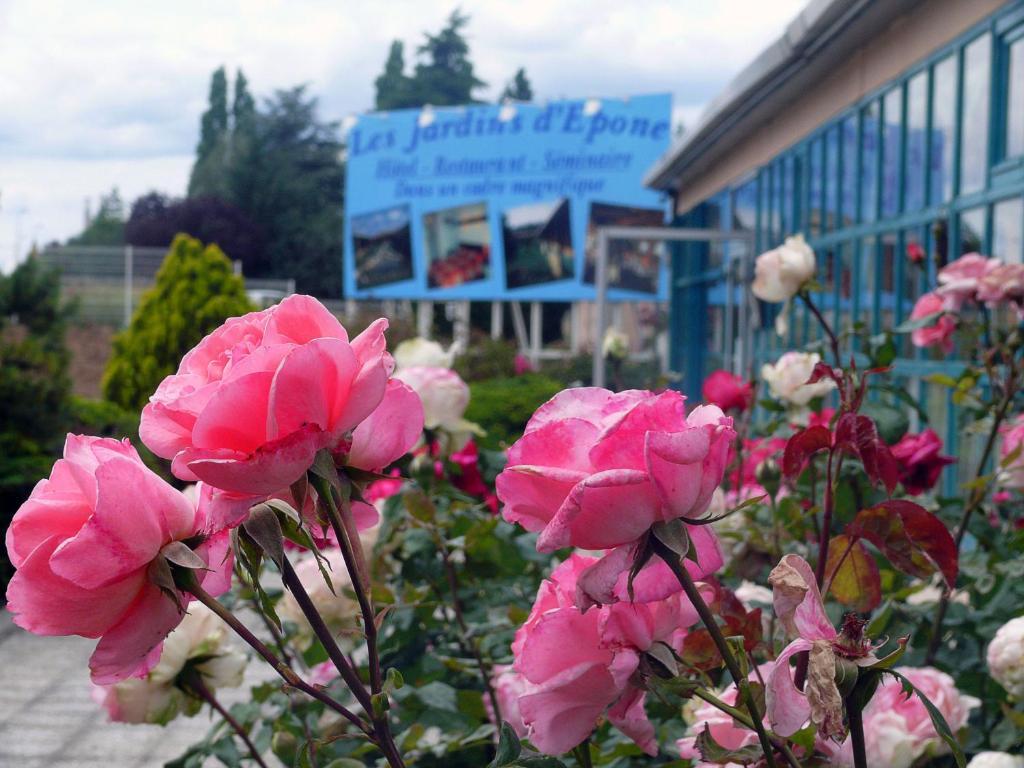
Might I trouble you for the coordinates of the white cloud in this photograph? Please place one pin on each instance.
(97, 94)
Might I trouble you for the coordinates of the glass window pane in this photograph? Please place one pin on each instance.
(777, 200)
(789, 196)
(831, 178)
(1015, 100)
(814, 185)
(844, 286)
(1008, 230)
(866, 283)
(892, 111)
(869, 162)
(849, 185)
(974, 123)
(972, 231)
(943, 127)
(917, 115)
(887, 279)
(798, 222)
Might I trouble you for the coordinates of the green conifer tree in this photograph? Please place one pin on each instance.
(195, 291)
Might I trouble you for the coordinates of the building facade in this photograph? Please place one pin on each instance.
(881, 131)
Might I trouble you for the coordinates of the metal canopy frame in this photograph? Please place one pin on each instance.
(605, 235)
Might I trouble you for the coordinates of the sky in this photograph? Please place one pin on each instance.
(109, 93)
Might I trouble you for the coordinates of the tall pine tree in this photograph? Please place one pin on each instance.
(443, 76)
(394, 88)
(208, 173)
(519, 88)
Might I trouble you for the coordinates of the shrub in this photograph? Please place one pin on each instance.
(34, 385)
(487, 358)
(503, 406)
(195, 292)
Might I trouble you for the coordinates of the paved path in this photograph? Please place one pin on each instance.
(48, 720)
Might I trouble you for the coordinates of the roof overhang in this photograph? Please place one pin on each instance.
(822, 36)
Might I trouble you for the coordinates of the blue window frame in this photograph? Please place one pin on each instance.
(932, 160)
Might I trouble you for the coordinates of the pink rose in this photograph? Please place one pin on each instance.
(508, 686)
(522, 365)
(1002, 283)
(255, 400)
(728, 391)
(596, 470)
(468, 478)
(1012, 472)
(579, 666)
(959, 280)
(82, 544)
(898, 729)
(940, 333)
(920, 461)
(291, 371)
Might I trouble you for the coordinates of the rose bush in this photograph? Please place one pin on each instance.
(577, 624)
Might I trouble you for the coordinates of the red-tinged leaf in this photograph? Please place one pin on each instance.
(801, 447)
(915, 541)
(740, 621)
(826, 371)
(857, 434)
(853, 574)
(699, 651)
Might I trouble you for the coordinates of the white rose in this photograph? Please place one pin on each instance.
(753, 595)
(445, 397)
(1006, 657)
(156, 698)
(787, 379)
(615, 345)
(778, 274)
(419, 351)
(995, 760)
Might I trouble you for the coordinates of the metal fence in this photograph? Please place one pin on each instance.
(106, 283)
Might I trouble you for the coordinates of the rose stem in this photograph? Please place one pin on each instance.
(196, 684)
(189, 583)
(356, 569)
(690, 588)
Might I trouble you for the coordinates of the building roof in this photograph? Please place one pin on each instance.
(821, 36)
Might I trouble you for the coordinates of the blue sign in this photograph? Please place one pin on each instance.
(498, 202)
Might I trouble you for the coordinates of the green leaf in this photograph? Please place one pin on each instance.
(672, 533)
(921, 322)
(938, 721)
(264, 528)
(509, 747)
(892, 423)
(713, 752)
(179, 553)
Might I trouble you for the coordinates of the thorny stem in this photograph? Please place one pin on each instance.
(196, 684)
(690, 588)
(316, 622)
(582, 754)
(275, 633)
(348, 540)
(191, 585)
(832, 339)
(977, 496)
(853, 715)
(825, 534)
(465, 639)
